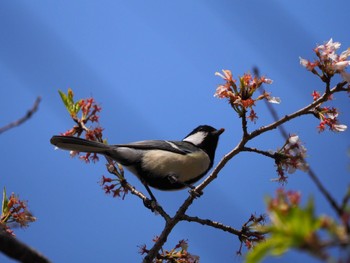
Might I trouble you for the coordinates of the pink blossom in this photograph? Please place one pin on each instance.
(223, 91)
(275, 100)
(341, 65)
(329, 61)
(227, 75)
(328, 49)
(266, 80)
(294, 154)
(345, 54)
(339, 127)
(308, 64)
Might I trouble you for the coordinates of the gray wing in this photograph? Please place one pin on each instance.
(170, 146)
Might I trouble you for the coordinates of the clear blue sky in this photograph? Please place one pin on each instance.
(151, 66)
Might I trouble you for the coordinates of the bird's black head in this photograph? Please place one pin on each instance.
(206, 138)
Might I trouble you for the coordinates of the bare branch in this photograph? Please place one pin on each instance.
(15, 249)
(271, 109)
(265, 153)
(303, 111)
(346, 199)
(28, 115)
(211, 223)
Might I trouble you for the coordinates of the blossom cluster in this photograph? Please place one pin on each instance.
(82, 112)
(179, 254)
(329, 118)
(290, 158)
(329, 62)
(15, 213)
(250, 234)
(89, 113)
(113, 187)
(240, 96)
(89, 109)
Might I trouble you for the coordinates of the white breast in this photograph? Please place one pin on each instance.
(184, 167)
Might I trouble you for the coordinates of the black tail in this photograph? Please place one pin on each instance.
(78, 144)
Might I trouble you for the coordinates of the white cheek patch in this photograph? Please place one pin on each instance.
(196, 138)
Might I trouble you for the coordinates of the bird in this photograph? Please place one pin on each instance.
(162, 164)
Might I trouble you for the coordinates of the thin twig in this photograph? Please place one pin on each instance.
(221, 165)
(325, 192)
(28, 115)
(303, 111)
(265, 153)
(244, 123)
(345, 199)
(132, 190)
(271, 109)
(211, 223)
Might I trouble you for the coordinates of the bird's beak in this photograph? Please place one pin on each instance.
(219, 132)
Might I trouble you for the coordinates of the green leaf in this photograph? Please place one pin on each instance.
(77, 106)
(64, 98)
(289, 229)
(275, 245)
(73, 108)
(70, 95)
(260, 251)
(4, 202)
(280, 245)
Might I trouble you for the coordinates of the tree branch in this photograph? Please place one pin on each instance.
(303, 111)
(265, 153)
(240, 146)
(154, 205)
(211, 223)
(28, 115)
(170, 224)
(15, 249)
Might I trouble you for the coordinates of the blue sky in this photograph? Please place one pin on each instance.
(151, 65)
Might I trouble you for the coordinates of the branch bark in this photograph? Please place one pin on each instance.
(26, 117)
(16, 249)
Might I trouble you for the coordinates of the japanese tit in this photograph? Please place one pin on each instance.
(164, 165)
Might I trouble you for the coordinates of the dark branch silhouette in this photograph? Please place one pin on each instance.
(26, 117)
(15, 249)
